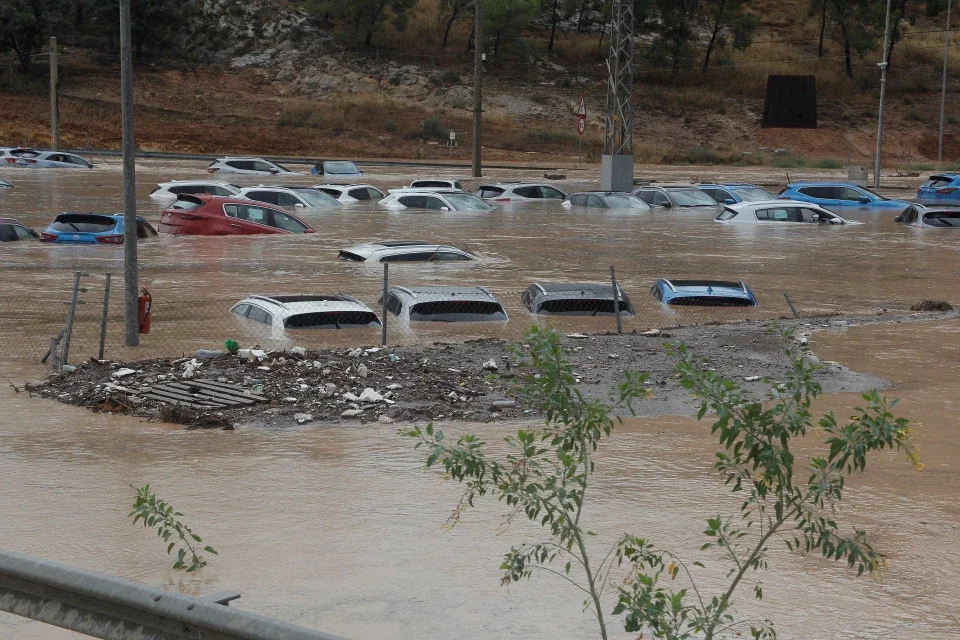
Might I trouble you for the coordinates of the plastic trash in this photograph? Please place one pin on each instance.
(210, 353)
(232, 346)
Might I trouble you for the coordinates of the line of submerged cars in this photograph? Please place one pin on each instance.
(471, 304)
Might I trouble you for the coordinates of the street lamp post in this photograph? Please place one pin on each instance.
(943, 84)
(883, 87)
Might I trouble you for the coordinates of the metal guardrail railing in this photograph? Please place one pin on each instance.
(111, 608)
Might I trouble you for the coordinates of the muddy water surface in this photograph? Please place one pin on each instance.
(336, 527)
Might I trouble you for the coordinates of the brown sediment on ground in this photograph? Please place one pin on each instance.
(450, 381)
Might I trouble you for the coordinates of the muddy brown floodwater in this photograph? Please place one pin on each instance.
(337, 527)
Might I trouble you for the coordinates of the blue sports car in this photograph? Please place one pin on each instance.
(943, 188)
(735, 193)
(705, 293)
(92, 228)
(842, 198)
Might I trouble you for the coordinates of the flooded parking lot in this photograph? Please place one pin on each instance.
(336, 528)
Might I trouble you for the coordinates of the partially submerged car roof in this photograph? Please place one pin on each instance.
(711, 293)
(447, 304)
(403, 250)
(575, 298)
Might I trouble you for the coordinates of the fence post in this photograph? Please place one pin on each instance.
(616, 299)
(103, 318)
(383, 313)
(793, 309)
(70, 314)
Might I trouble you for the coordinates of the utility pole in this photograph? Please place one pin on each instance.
(477, 85)
(943, 84)
(54, 97)
(883, 88)
(616, 164)
(131, 311)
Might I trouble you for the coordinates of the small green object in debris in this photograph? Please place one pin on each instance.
(232, 346)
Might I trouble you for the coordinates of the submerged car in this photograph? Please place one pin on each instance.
(249, 166)
(404, 251)
(779, 212)
(279, 312)
(206, 215)
(349, 193)
(444, 304)
(336, 169)
(707, 293)
(49, 160)
(170, 190)
(606, 200)
(436, 183)
(12, 230)
(735, 193)
(291, 198)
(434, 199)
(519, 192)
(842, 197)
(943, 188)
(940, 216)
(14, 152)
(575, 299)
(92, 228)
(678, 197)
(5, 185)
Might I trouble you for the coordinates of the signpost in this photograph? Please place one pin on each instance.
(581, 126)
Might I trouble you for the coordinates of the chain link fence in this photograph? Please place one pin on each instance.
(418, 309)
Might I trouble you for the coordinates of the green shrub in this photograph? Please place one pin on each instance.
(433, 129)
(827, 163)
(390, 125)
(450, 77)
(543, 136)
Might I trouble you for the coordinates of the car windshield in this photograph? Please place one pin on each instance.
(690, 198)
(316, 198)
(467, 202)
(624, 201)
(340, 168)
(752, 194)
(83, 223)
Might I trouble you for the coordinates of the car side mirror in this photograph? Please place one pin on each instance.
(816, 217)
(729, 201)
(863, 200)
(666, 205)
(299, 206)
(274, 171)
(836, 221)
(444, 208)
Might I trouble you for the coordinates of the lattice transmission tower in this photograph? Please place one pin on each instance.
(617, 162)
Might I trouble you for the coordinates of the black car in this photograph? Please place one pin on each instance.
(12, 230)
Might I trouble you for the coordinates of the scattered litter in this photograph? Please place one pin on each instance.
(299, 351)
(652, 333)
(490, 365)
(68, 368)
(210, 353)
(119, 373)
(500, 405)
(751, 378)
(578, 336)
(613, 356)
(351, 413)
(302, 417)
(369, 395)
(362, 371)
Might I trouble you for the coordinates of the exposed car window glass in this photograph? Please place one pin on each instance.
(490, 192)
(579, 200)
(720, 195)
(331, 319)
(646, 196)
(408, 257)
(340, 168)
(942, 219)
(467, 202)
(241, 309)
(7, 233)
(260, 315)
(659, 199)
(594, 201)
(83, 223)
(253, 214)
(218, 191)
(527, 192)
(430, 202)
(394, 305)
(846, 193)
(287, 223)
(457, 310)
(910, 215)
(727, 214)
(23, 233)
(826, 193)
(550, 192)
(938, 181)
(456, 184)
(260, 165)
(752, 194)
(330, 192)
(624, 201)
(375, 194)
(449, 255)
(142, 231)
(690, 198)
(243, 165)
(186, 188)
(270, 197)
(315, 198)
(359, 194)
(185, 204)
(286, 199)
(779, 214)
(413, 202)
(430, 183)
(811, 215)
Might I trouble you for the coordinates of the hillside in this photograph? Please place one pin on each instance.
(261, 78)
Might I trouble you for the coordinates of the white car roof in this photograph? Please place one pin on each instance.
(174, 183)
(394, 247)
(284, 306)
(433, 294)
(342, 187)
(423, 190)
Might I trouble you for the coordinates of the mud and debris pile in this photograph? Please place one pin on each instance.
(472, 381)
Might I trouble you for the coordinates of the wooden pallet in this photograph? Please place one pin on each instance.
(203, 394)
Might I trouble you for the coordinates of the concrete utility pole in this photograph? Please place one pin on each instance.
(477, 85)
(943, 84)
(131, 315)
(54, 97)
(616, 164)
(883, 88)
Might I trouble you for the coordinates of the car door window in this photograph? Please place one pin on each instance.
(241, 310)
(812, 215)
(359, 194)
(444, 256)
(23, 233)
(217, 191)
(490, 192)
(527, 192)
(433, 203)
(287, 222)
(420, 256)
(550, 192)
(413, 202)
(779, 214)
(594, 201)
(287, 199)
(646, 196)
(579, 200)
(910, 216)
(259, 315)
(660, 199)
(7, 234)
(823, 193)
(249, 213)
(259, 165)
(722, 195)
(394, 305)
(270, 197)
(852, 195)
(240, 165)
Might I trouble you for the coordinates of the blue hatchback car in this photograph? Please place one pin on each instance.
(704, 293)
(92, 228)
(842, 198)
(943, 188)
(735, 193)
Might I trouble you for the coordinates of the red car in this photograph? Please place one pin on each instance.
(203, 214)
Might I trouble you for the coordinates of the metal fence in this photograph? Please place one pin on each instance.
(70, 325)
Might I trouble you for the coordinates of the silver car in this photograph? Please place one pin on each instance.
(292, 198)
(249, 166)
(678, 197)
(513, 192)
(404, 251)
(444, 304)
(51, 160)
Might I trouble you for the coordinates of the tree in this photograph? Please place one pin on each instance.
(367, 16)
(25, 26)
(547, 473)
(160, 515)
(153, 23)
(855, 30)
(674, 27)
(453, 7)
(727, 22)
(504, 20)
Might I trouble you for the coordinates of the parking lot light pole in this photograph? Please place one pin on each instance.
(943, 84)
(131, 312)
(883, 88)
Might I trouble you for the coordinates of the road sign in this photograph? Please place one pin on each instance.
(581, 116)
(580, 126)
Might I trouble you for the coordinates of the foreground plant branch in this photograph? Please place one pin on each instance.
(156, 513)
(547, 471)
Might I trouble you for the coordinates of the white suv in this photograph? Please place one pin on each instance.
(435, 183)
(249, 166)
(290, 197)
(435, 199)
(170, 190)
(347, 193)
(337, 311)
(507, 192)
(403, 251)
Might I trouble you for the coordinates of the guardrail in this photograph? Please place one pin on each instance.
(111, 608)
